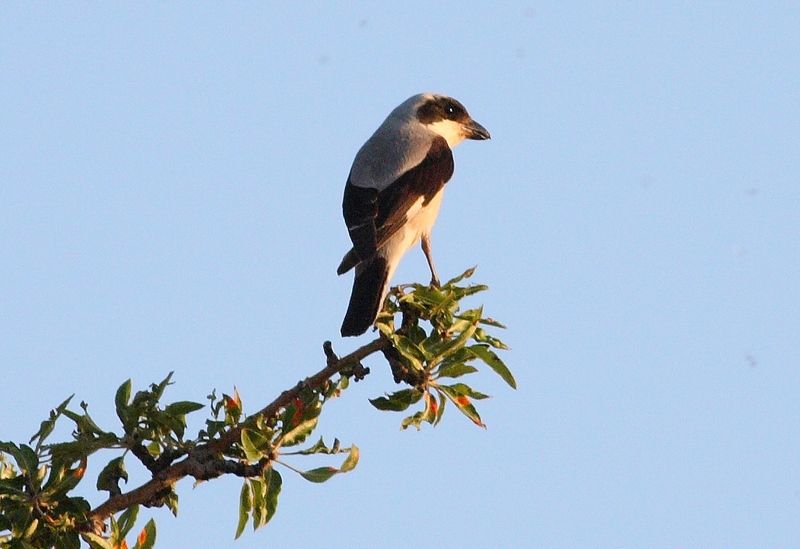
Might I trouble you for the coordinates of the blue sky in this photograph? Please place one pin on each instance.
(170, 194)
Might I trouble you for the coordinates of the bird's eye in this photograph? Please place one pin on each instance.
(450, 109)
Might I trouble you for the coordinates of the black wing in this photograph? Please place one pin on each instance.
(372, 217)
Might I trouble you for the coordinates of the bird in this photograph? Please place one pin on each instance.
(393, 194)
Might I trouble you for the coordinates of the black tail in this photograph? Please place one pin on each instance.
(365, 301)
(349, 261)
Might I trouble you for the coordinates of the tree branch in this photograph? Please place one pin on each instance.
(204, 462)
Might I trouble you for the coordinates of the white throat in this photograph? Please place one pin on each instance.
(452, 131)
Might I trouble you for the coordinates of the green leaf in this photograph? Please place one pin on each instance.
(319, 447)
(461, 389)
(84, 423)
(397, 402)
(158, 390)
(470, 411)
(213, 428)
(14, 488)
(68, 540)
(47, 425)
(273, 490)
(462, 323)
(183, 407)
(121, 400)
(167, 422)
(481, 336)
(313, 408)
(45, 428)
(147, 537)
(493, 361)
(409, 350)
(320, 474)
(265, 497)
(463, 404)
(492, 322)
(385, 322)
(154, 449)
(31, 529)
(126, 520)
(251, 452)
(427, 297)
(351, 461)
(62, 479)
(26, 458)
(96, 542)
(417, 334)
(68, 452)
(460, 293)
(108, 479)
(440, 411)
(171, 501)
(22, 544)
(299, 433)
(245, 504)
(254, 444)
(466, 274)
(455, 369)
(451, 346)
(415, 420)
(257, 486)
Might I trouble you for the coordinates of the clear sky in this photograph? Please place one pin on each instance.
(170, 190)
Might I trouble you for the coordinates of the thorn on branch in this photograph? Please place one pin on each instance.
(331, 357)
(357, 370)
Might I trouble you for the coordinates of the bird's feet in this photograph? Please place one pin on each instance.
(435, 282)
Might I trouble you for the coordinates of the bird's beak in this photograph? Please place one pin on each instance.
(473, 130)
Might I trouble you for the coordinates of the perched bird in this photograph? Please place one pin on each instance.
(393, 194)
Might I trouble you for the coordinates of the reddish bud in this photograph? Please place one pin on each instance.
(233, 403)
(142, 537)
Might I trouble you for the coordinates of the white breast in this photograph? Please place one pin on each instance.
(420, 220)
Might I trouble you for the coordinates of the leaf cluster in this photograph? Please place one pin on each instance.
(434, 348)
(264, 442)
(36, 509)
(436, 343)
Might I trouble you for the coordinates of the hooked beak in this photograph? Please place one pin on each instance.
(473, 130)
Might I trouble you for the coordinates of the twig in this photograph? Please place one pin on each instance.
(204, 461)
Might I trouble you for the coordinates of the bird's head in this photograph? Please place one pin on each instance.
(447, 117)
